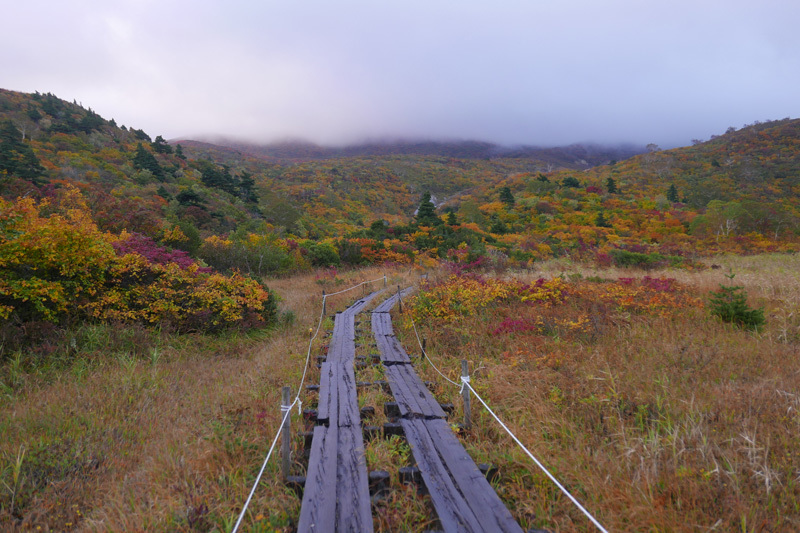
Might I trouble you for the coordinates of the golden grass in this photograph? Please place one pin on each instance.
(656, 424)
(171, 440)
(660, 424)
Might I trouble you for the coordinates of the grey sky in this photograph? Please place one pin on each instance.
(332, 71)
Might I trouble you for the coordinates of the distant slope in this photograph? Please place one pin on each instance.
(737, 192)
(576, 156)
(531, 201)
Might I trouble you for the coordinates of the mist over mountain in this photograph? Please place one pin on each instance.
(574, 156)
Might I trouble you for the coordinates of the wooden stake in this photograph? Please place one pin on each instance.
(400, 299)
(465, 395)
(323, 302)
(286, 444)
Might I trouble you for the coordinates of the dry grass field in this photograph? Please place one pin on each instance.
(656, 415)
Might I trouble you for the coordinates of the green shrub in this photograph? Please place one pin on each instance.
(324, 254)
(730, 305)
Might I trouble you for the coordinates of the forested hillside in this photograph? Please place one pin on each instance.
(240, 208)
(736, 192)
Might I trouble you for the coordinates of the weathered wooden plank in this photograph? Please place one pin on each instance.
(391, 351)
(478, 493)
(381, 323)
(406, 401)
(336, 495)
(318, 510)
(327, 395)
(354, 511)
(453, 512)
(428, 405)
(349, 412)
(411, 394)
(463, 498)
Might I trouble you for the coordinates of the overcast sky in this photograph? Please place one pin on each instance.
(543, 72)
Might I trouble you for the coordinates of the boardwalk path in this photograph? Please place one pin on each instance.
(463, 499)
(336, 495)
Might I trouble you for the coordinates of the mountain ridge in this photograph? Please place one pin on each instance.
(576, 155)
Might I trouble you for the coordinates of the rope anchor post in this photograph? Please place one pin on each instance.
(323, 302)
(400, 299)
(465, 394)
(286, 443)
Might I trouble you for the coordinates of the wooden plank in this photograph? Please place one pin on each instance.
(391, 350)
(453, 512)
(463, 498)
(411, 394)
(336, 495)
(349, 413)
(428, 405)
(382, 323)
(354, 511)
(318, 510)
(327, 395)
(478, 493)
(402, 394)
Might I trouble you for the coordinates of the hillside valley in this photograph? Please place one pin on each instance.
(632, 315)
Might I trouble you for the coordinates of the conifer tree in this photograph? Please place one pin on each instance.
(161, 146)
(672, 193)
(506, 197)
(426, 213)
(144, 160)
(17, 157)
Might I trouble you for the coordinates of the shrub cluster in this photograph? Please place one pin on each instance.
(57, 266)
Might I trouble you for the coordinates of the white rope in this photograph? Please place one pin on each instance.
(285, 409)
(426, 354)
(464, 382)
(263, 466)
(535, 460)
(354, 287)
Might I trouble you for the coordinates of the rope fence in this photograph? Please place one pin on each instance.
(286, 409)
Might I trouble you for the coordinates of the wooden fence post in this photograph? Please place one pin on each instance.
(384, 280)
(400, 299)
(465, 394)
(286, 444)
(323, 302)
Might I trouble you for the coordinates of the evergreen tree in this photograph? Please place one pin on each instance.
(17, 157)
(729, 303)
(451, 218)
(161, 146)
(214, 176)
(506, 197)
(426, 213)
(179, 152)
(672, 193)
(611, 186)
(144, 160)
(246, 191)
(602, 221)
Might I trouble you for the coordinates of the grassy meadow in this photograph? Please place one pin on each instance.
(655, 415)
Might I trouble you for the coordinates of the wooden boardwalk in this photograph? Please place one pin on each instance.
(463, 498)
(336, 495)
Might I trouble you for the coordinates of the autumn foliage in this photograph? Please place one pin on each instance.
(56, 265)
